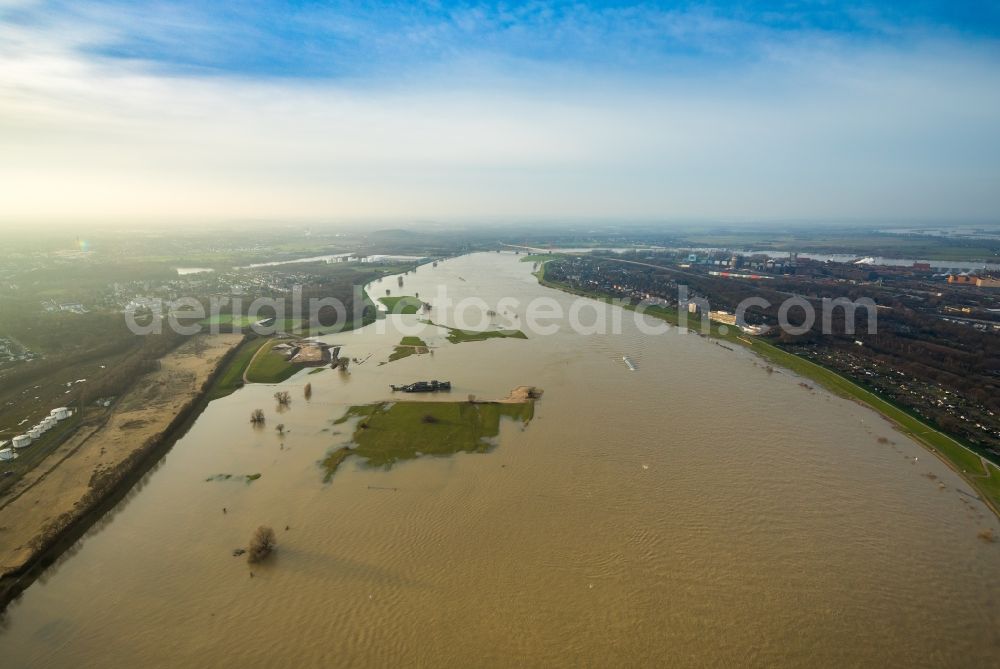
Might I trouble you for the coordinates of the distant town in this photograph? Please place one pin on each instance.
(63, 340)
(936, 351)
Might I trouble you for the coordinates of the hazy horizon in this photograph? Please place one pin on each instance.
(503, 226)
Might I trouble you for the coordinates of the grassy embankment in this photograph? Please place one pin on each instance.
(390, 431)
(254, 363)
(539, 257)
(404, 304)
(985, 478)
(230, 379)
(270, 366)
(960, 457)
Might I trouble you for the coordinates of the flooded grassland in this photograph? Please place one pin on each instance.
(697, 511)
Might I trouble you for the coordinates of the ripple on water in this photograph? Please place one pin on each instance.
(698, 511)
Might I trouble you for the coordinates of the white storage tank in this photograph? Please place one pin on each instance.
(7, 454)
(21, 441)
(34, 433)
(62, 413)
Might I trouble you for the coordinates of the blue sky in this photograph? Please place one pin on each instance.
(357, 39)
(685, 110)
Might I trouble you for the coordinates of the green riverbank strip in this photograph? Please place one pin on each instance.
(540, 257)
(387, 432)
(983, 476)
(231, 378)
(270, 366)
(271, 370)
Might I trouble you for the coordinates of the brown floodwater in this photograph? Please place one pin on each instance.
(699, 511)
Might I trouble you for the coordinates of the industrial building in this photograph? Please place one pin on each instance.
(974, 280)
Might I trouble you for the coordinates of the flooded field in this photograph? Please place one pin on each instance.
(697, 511)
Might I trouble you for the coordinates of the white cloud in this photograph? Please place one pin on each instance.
(813, 131)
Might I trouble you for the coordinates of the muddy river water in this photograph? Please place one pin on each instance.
(699, 511)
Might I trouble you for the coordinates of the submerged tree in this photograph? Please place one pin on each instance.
(308, 390)
(283, 398)
(262, 544)
(257, 417)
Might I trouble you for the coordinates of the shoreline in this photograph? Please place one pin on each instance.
(115, 483)
(842, 387)
(52, 544)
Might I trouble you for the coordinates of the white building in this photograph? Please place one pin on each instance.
(722, 317)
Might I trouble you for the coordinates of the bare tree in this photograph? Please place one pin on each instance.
(283, 398)
(280, 429)
(257, 417)
(262, 544)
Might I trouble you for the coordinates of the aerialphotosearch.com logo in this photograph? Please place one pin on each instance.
(542, 315)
